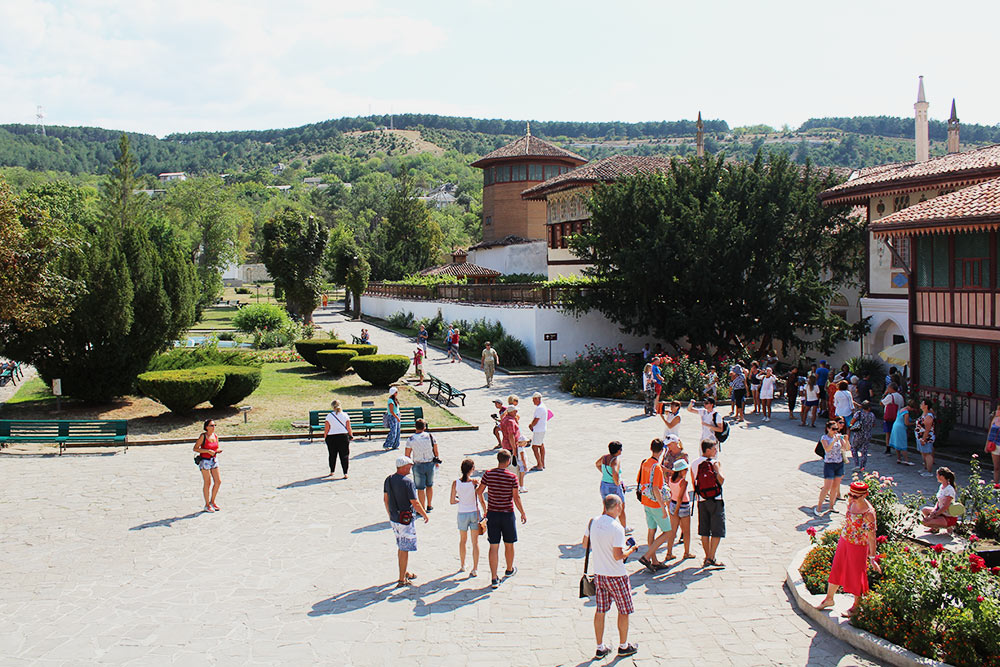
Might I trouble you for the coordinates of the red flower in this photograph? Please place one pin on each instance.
(933, 563)
(995, 570)
(882, 539)
(811, 532)
(906, 549)
(969, 587)
(979, 598)
(938, 548)
(959, 568)
(973, 538)
(996, 486)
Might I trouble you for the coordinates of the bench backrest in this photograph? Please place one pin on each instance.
(46, 428)
(367, 415)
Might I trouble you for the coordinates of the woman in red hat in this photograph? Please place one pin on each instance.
(855, 551)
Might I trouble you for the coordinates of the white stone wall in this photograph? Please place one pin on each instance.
(519, 258)
(889, 317)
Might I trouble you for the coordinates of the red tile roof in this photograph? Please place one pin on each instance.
(461, 270)
(528, 146)
(972, 208)
(968, 167)
(603, 170)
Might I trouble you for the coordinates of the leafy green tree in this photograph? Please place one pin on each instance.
(407, 240)
(346, 265)
(293, 246)
(722, 255)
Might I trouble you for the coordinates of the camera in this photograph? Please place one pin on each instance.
(630, 542)
(437, 460)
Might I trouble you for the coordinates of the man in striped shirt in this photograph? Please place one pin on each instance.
(500, 487)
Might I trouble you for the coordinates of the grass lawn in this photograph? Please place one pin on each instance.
(217, 318)
(287, 392)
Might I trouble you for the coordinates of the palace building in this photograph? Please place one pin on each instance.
(933, 279)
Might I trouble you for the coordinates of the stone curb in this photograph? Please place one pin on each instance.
(842, 629)
(276, 436)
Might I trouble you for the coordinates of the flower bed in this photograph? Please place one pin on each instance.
(939, 604)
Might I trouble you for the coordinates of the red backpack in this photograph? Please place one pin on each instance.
(891, 410)
(706, 482)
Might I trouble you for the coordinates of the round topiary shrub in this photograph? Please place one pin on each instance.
(182, 390)
(307, 349)
(361, 348)
(262, 316)
(336, 361)
(241, 381)
(381, 370)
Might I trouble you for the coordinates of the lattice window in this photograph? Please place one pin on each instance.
(901, 244)
(932, 261)
(935, 364)
(973, 368)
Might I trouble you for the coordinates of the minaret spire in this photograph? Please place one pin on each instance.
(920, 129)
(527, 129)
(953, 144)
(699, 141)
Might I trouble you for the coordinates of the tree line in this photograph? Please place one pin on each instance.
(892, 126)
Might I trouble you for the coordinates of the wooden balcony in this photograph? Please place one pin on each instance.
(513, 293)
(962, 308)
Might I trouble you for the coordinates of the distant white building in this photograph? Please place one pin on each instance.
(168, 176)
(236, 275)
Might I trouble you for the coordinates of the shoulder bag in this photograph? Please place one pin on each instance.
(820, 450)
(405, 516)
(722, 435)
(588, 588)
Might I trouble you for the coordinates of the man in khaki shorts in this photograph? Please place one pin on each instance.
(538, 426)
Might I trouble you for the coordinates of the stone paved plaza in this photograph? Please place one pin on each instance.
(107, 558)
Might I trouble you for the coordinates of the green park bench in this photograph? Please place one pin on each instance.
(367, 419)
(11, 375)
(356, 340)
(65, 432)
(446, 389)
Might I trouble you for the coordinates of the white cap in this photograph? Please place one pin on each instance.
(393, 391)
(671, 438)
(511, 408)
(403, 461)
(536, 395)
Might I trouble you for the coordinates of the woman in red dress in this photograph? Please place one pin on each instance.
(855, 550)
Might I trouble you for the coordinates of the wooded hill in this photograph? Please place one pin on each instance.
(846, 142)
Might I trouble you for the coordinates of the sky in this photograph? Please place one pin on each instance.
(162, 67)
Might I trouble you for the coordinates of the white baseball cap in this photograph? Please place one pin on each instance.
(511, 408)
(393, 391)
(403, 461)
(536, 395)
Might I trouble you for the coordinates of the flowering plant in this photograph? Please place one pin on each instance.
(599, 371)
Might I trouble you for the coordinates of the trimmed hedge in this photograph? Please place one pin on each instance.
(307, 349)
(182, 390)
(336, 361)
(380, 370)
(206, 355)
(362, 349)
(241, 381)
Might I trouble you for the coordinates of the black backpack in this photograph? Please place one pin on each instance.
(722, 435)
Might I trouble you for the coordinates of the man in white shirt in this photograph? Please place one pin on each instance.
(711, 506)
(711, 421)
(423, 449)
(608, 551)
(538, 425)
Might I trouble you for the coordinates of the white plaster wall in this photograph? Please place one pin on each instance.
(880, 271)
(576, 333)
(518, 258)
(888, 316)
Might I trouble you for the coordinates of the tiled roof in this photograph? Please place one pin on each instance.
(971, 165)
(528, 146)
(460, 271)
(974, 207)
(605, 169)
(510, 239)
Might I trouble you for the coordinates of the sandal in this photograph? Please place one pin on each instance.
(824, 605)
(208, 508)
(410, 576)
(403, 584)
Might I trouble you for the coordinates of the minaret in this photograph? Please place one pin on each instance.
(953, 130)
(920, 134)
(699, 141)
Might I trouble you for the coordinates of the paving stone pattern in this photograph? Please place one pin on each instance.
(106, 557)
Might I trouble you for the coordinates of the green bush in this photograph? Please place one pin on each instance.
(434, 326)
(182, 390)
(381, 370)
(242, 290)
(307, 349)
(865, 364)
(336, 361)
(241, 381)
(361, 348)
(198, 357)
(401, 320)
(473, 337)
(261, 317)
(601, 372)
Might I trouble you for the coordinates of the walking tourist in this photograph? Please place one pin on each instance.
(392, 420)
(400, 497)
(892, 401)
(738, 391)
(449, 334)
(673, 451)
(648, 391)
(834, 445)
(992, 446)
(711, 421)
(862, 425)
(611, 477)
(671, 420)
(810, 400)
(538, 426)
(755, 385)
(823, 374)
(418, 364)
(650, 482)
(855, 551)
(938, 516)
(768, 382)
(829, 409)
(497, 416)
(463, 494)
(454, 345)
(924, 428)
(865, 387)
(207, 449)
(422, 337)
(609, 549)
(898, 436)
(488, 361)
(500, 487)
(657, 383)
(514, 440)
(843, 406)
(680, 508)
(707, 480)
(423, 449)
(712, 384)
(792, 383)
(338, 434)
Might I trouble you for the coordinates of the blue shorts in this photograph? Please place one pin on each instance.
(423, 475)
(501, 525)
(833, 470)
(612, 489)
(656, 520)
(925, 449)
(209, 463)
(468, 521)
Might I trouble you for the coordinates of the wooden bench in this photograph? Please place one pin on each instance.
(446, 389)
(65, 432)
(367, 419)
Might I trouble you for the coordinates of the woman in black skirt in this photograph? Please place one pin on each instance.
(338, 435)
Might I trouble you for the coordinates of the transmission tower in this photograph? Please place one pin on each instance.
(40, 120)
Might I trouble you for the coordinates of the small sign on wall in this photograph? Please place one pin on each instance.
(551, 336)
